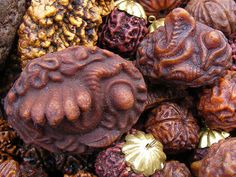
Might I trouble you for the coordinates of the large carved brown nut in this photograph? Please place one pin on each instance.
(52, 25)
(184, 52)
(76, 98)
(218, 104)
(157, 7)
(173, 168)
(174, 126)
(218, 14)
(220, 160)
(11, 13)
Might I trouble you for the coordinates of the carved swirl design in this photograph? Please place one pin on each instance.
(184, 52)
(218, 104)
(75, 98)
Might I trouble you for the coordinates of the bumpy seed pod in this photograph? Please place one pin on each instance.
(52, 25)
(218, 14)
(232, 41)
(184, 52)
(217, 105)
(174, 126)
(103, 96)
(11, 13)
(220, 160)
(124, 29)
(173, 168)
(159, 7)
(10, 168)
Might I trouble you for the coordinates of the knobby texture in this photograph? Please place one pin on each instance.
(76, 98)
(184, 52)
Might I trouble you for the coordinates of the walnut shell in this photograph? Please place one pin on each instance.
(52, 25)
(220, 160)
(103, 96)
(111, 163)
(218, 104)
(11, 13)
(122, 33)
(174, 126)
(218, 14)
(184, 52)
(173, 168)
(10, 168)
(232, 41)
(159, 7)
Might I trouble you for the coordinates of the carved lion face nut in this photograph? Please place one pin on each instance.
(184, 52)
(174, 126)
(76, 98)
(218, 14)
(53, 25)
(218, 104)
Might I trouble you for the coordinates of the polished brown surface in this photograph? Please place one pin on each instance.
(174, 126)
(52, 25)
(184, 52)
(122, 33)
(111, 163)
(11, 13)
(220, 160)
(218, 14)
(159, 7)
(218, 104)
(10, 168)
(173, 169)
(76, 98)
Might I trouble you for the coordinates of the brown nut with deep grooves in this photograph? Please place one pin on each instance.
(220, 160)
(218, 104)
(174, 126)
(184, 52)
(218, 14)
(74, 99)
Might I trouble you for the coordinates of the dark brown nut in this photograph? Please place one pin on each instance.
(8, 140)
(11, 13)
(232, 41)
(199, 154)
(174, 126)
(218, 104)
(122, 33)
(218, 14)
(173, 168)
(10, 168)
(184, 52)
(50, 26)
(81, 173)
(111, 163)
(220, 160)
(159, 7)
(74, 99)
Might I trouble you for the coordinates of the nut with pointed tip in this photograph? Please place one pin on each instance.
(76, 99)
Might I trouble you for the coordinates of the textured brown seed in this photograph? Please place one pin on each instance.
(11, 13)
(184, 52)
(159, 7)
(173, 168)
(218, 104)
(218, 14)
(232, 41)
(52, 25)
(10, 168)
(46, 104)
(174, 126)
(220, 160)
(122, 33)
